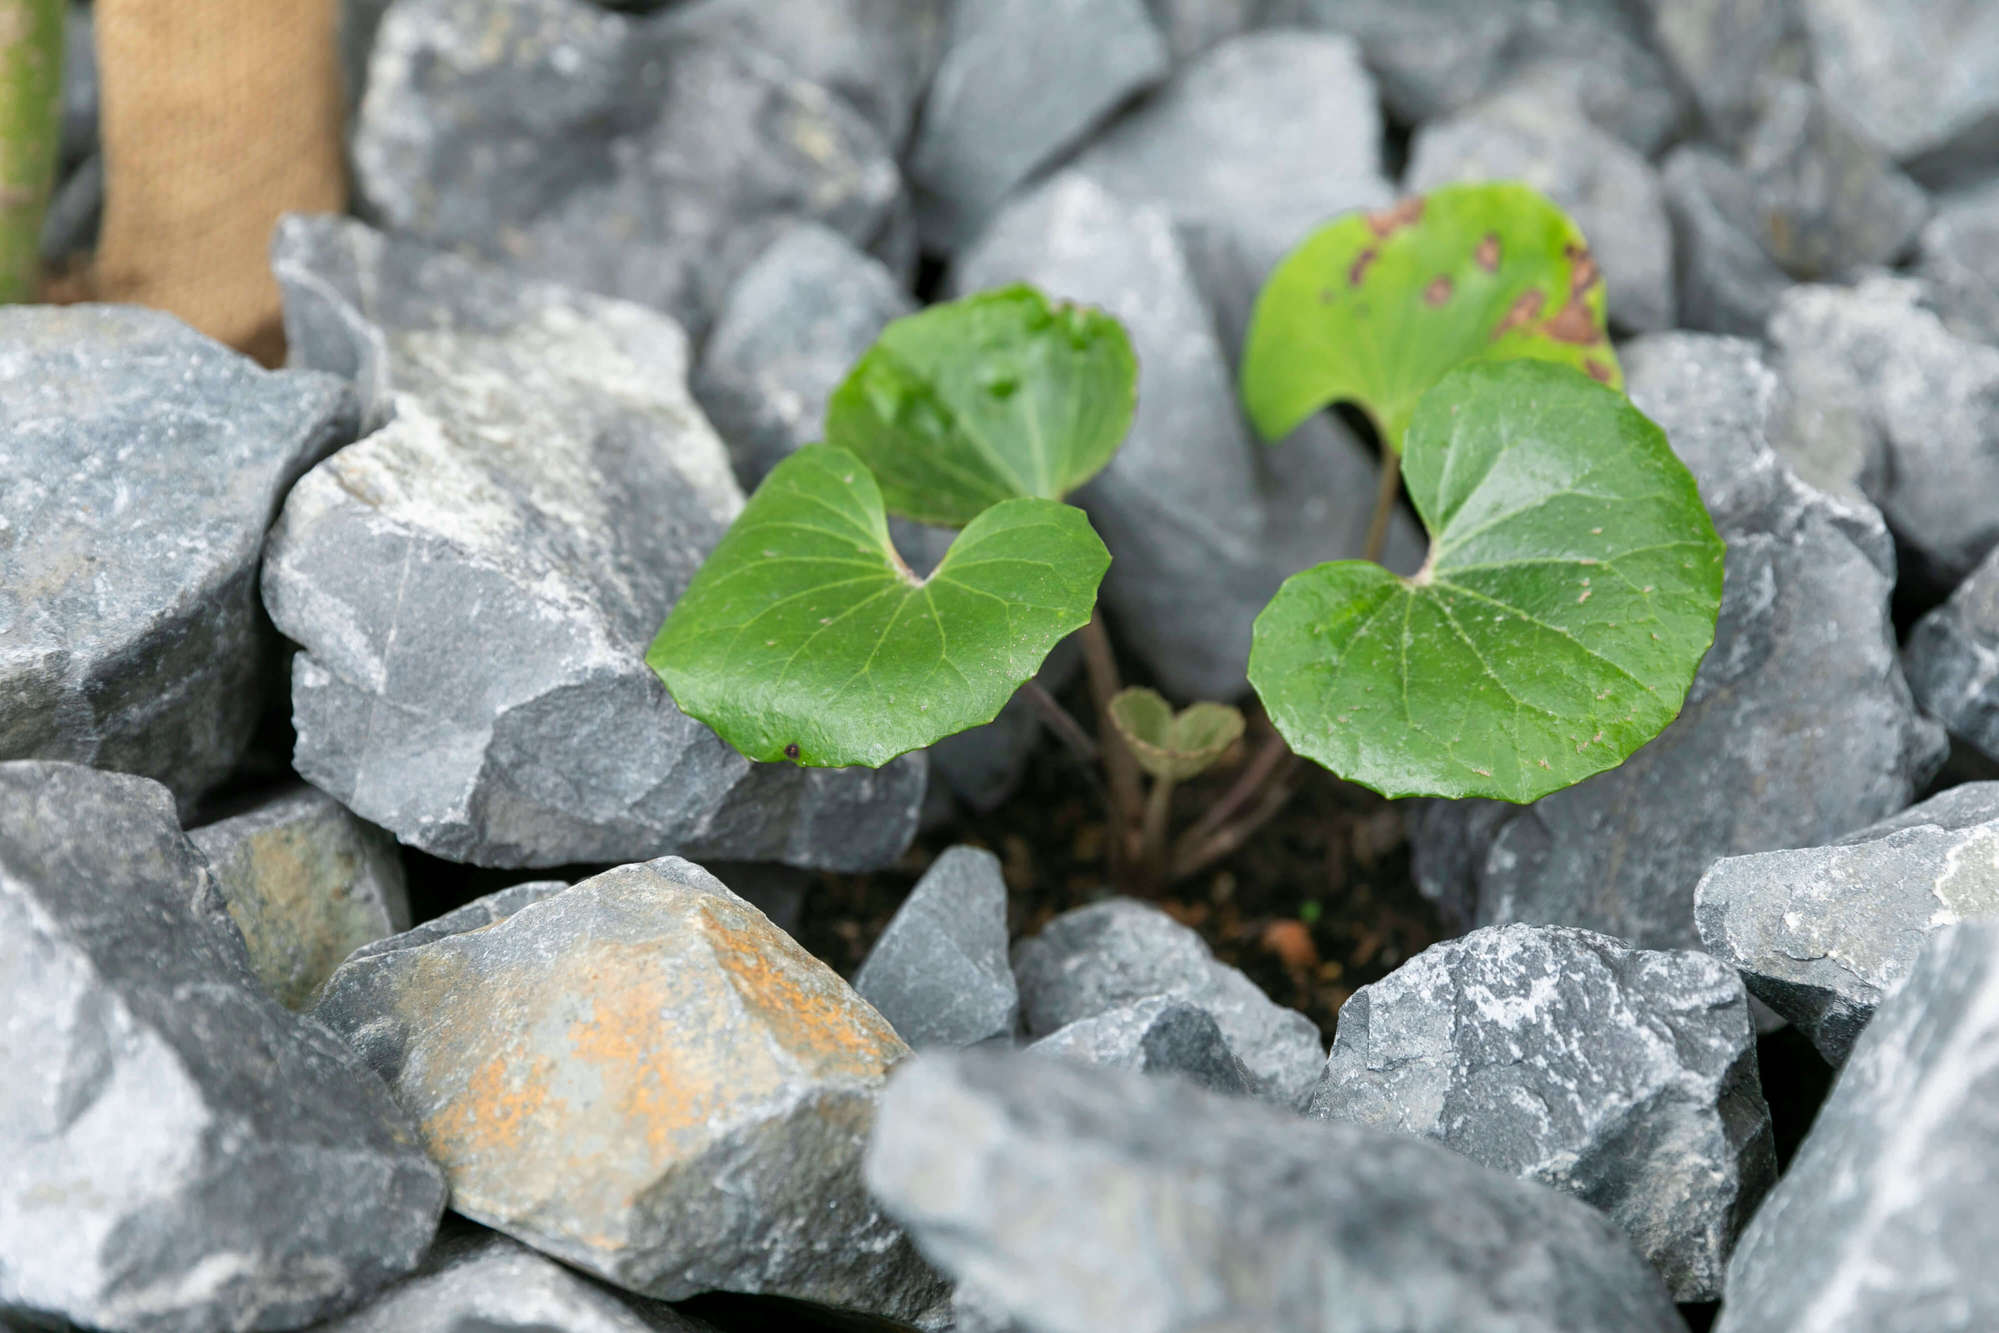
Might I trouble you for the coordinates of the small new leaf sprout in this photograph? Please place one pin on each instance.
(997, 396)
(1374, 308)
(1570, 593)
(1169, 745)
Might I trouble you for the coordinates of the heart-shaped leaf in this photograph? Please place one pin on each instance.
(805, 637)
(1569, 595)
(1169, 745)
(1374, 308)
(990, 398)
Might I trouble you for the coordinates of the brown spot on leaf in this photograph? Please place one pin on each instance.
(1358, 269)
(1573, 323)
(1487, 253)
(1522, 312)
(1439, 289)
(1585, 271)
(1597, 370)
(791, 750)
(1405, 213)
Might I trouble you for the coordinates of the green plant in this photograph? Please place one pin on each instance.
(1570, 591)
(30, 131)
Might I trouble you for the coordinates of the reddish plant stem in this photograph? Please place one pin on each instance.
(1125, 805)
(1389, 488)
(1193, 859)
(1263, 766)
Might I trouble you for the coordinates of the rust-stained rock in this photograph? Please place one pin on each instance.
(645, 1078)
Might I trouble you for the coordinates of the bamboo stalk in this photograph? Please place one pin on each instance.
(30, 136)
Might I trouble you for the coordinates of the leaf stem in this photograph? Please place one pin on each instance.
(1389, 487)
(1152, 856)
(1120, 767)
(1192, 858)
(1270, 758)
(1062, 722)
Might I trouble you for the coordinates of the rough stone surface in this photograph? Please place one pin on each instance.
(1722, 50)
(1020, 80)
(1921, 79)
(1206, 521)
(1822, 934)
(1157, 1036)
(1728, 281)
(475, 915)
(1626, 1078)
(939, 972)
(1094, 959)
(619, 155)
(791, 328)
(1800, 701)
(1605, 185)
(183, 1156)
(307, 884)
(1953, 660)
(475, 584)
(1958, 252)
(1192, 26)
(141, 464)
(1088, 1199)
(644, 1078)
(1877, 356)
(1884, 1221)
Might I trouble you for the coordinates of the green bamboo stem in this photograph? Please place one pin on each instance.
(30, 136)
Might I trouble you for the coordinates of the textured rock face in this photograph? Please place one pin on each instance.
(1728, 281)
(1958, 252)
(1192, 26)
(1087, 1199)
(1157, 1036)
(1624, 1077)
(1206, 521)
(475, 584)
(1722, 49)
(141, 464)
(1822, 934)
(1884, 1222)
(1020, 81)
(939, 972)
(1875, 355)
(307, 884)
(183, 1156)
(1921, 80)
(1090, 961)
(619, 155)
(1953, 660)
(1800, 700)
(644, 1078)
(1606, 186)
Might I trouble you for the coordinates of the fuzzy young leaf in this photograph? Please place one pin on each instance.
(1374, 308)
(1570, 593)
(1169, 745)
(994, 397)
(805, 637)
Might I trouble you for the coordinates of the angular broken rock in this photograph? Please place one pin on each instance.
(1884, 1222)
(616, 154)
(1624, 1077)
(1958, 252)
(1192, 26)
(307, 884)
(1157, 1036)
(1095, 959)
(183, 1156)
(475, 584)
(1952, 659)
(644, 1078)
(1728, 281)
(1800, 700)
(939, 972)
(141, 464)
(1822, 934)
(1083, 1199)
(1723, 49)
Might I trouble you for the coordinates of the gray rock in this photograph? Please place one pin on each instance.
(1821, 934)
(1728, 281)
(475, 915)
(1623, 1077)
(1722, 49)
(1020, 81)
(1605, 185)
(939, 972)
(1884, 1221)
(141, 464)
(1874, 355)
(1095, 959)
(619, 155)
(1953, 660)
(1192, 26)
(1922, 80)
(183, 1155)
(644, 1078)
(1157, 1036)
(1800, 702)
(790, 329)
(1206, 521)
(307, 884)
(488, 568)
(1958, 252)
(79, 84)
(76, 211)
(1087, 1199)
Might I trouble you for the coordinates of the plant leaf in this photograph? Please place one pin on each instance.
(1374, 308)
(1570, 593)
(805, 637)
(997, 396)
(1169, 745)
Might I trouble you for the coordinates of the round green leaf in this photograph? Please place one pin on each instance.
(1570, 593)
(1169, 745)
(805, 637)
(990, 398)
(1374, 308)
